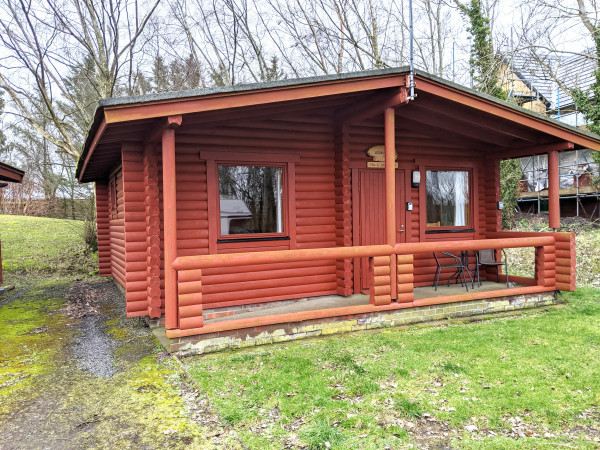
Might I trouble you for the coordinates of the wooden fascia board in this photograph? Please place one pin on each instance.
(92, 147)
(497, 110)
(241, 99)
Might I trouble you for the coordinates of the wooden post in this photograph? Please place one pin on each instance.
(553, 190)
(390, 190)
(170, 221)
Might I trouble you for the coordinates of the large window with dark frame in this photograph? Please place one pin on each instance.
(448, 198)
(251, 199)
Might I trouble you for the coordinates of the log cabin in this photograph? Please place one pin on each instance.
(259, 213)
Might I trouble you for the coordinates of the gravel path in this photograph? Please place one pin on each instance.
(104, 383)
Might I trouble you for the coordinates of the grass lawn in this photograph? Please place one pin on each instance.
(42, 245)
(523, 381)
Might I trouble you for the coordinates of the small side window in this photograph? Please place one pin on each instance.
(112, 197)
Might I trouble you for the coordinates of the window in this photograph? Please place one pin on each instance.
(447, 198)
(251, 199)
(112, 197)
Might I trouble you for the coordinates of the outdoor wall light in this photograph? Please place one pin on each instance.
(415, 178)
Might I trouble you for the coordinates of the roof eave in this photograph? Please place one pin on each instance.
(10, 173)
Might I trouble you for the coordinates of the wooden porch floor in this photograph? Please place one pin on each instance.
(336, 301)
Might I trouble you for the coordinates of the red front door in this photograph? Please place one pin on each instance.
(371, 204)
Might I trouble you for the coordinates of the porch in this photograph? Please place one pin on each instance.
(392, 297)
(334, 301)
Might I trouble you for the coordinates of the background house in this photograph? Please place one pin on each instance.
(528, 83)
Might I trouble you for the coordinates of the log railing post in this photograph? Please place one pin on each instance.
(170, 220)
(405, 278)
(190, 309)
(380, 280)
(545, 265)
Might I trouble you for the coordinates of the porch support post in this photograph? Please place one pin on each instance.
(553, 190)
(170, 220)
(390, 191)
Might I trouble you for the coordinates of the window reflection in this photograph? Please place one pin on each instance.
(251, 199)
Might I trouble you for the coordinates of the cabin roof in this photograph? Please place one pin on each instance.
(10, 173)
(453, 100)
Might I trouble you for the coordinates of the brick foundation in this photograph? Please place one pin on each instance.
(249, 337)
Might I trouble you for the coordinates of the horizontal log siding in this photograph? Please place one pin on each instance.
(405, 278)
(103, 229)
(491, 216)
(192, 205)
(411, 147)
(136, 295)
(116, 227)
(314, 219)
(379, 280)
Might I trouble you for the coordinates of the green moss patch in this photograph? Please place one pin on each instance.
(144, 404)
(28, 346)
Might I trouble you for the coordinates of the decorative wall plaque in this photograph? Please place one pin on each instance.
(377, 152)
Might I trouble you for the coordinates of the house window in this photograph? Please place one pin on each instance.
(447, 198)
(112, 197)
(251, 199)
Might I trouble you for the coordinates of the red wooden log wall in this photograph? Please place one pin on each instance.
(103, 229)
(136, 294)
(116, 227)
(320, 214)
(416, 152)
(315, 219)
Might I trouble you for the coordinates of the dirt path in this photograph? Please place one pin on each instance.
(74, 373)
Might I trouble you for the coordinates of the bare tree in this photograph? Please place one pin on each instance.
(44, 42)
(556, 31)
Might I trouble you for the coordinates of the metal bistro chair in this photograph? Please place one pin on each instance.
(460, 270)
(488, 258)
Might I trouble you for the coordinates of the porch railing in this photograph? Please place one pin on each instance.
(554, 269)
